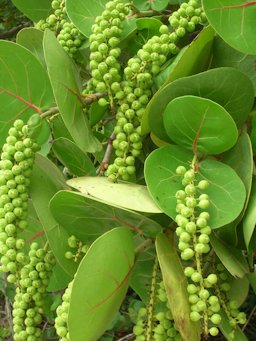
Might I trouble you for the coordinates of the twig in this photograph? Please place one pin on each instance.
(13, 31)
(90, 98)
(105, 161)
(250, 316)
(50, 112)
(126, 337)
(8, 308)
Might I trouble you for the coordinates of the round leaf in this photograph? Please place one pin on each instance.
(128, 195)
(100, 285)
(224, 86)
(88, 218)
(226, 190)
(232, 19)
(24, 86)
(200, 124)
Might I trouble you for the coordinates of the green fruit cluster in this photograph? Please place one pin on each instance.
(61, 321)
(186, 18)
(105, 51)
(193, 232)
(17, 159)
(134, 92)
(78, 249)
(69, 37)
(163, 327)
(230, 307)
(29, 297)
(56, 19)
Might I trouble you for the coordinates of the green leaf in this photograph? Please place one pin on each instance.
(33, 9)
(159, 5)
(46, 181)
(226, 329)
(142, 274)
(88, 219)
(232, 20)
(249, 220)
(67, 87)
(59, 129)
(176, 287)
(59, 279)
(128, 195)
(201, 124)
(100, 284)
(83, 14)
(216, 85)
(226, 190)
(70, 155)
(32, 39)
(225, 55)
(232, 258)
(24, 86)
(240, 158)
(239, 289)
(192, 59)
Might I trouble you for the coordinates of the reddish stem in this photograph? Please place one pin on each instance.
(239, 6)
(30, 105)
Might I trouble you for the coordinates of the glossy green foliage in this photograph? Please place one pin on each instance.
(176, 287)
(249, 220)
(24, 85)
(32, 39)
(232, 20)
(215, 84)
(33, 9)
(225, 55)
(46, 181)
(83, 13)
(199, 124)
(226, 191)
(192, 59)
(156, 5)
(88, 219)
(231, 257)
(128, 195)
(67, 88)
(96, 298)
(76, 161)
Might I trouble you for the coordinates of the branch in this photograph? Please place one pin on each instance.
(13, 31)
(105, 161)
(127, 337)
(50, 112)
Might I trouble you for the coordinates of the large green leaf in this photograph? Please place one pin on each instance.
(192, 59)
(175, 284)
(249, 220)
(232, 20)
(34, 9)
(142, 274)
(232, 258)
(100, 285)
(201, 124)
(32, 39)
(240, 158)
(24, 86)
(128, 195)
(226, 190)
(46, 181)
(88, 219)
(77, 162)
(83, 13)
(224, 86)
(225, 55)
(67, 87)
